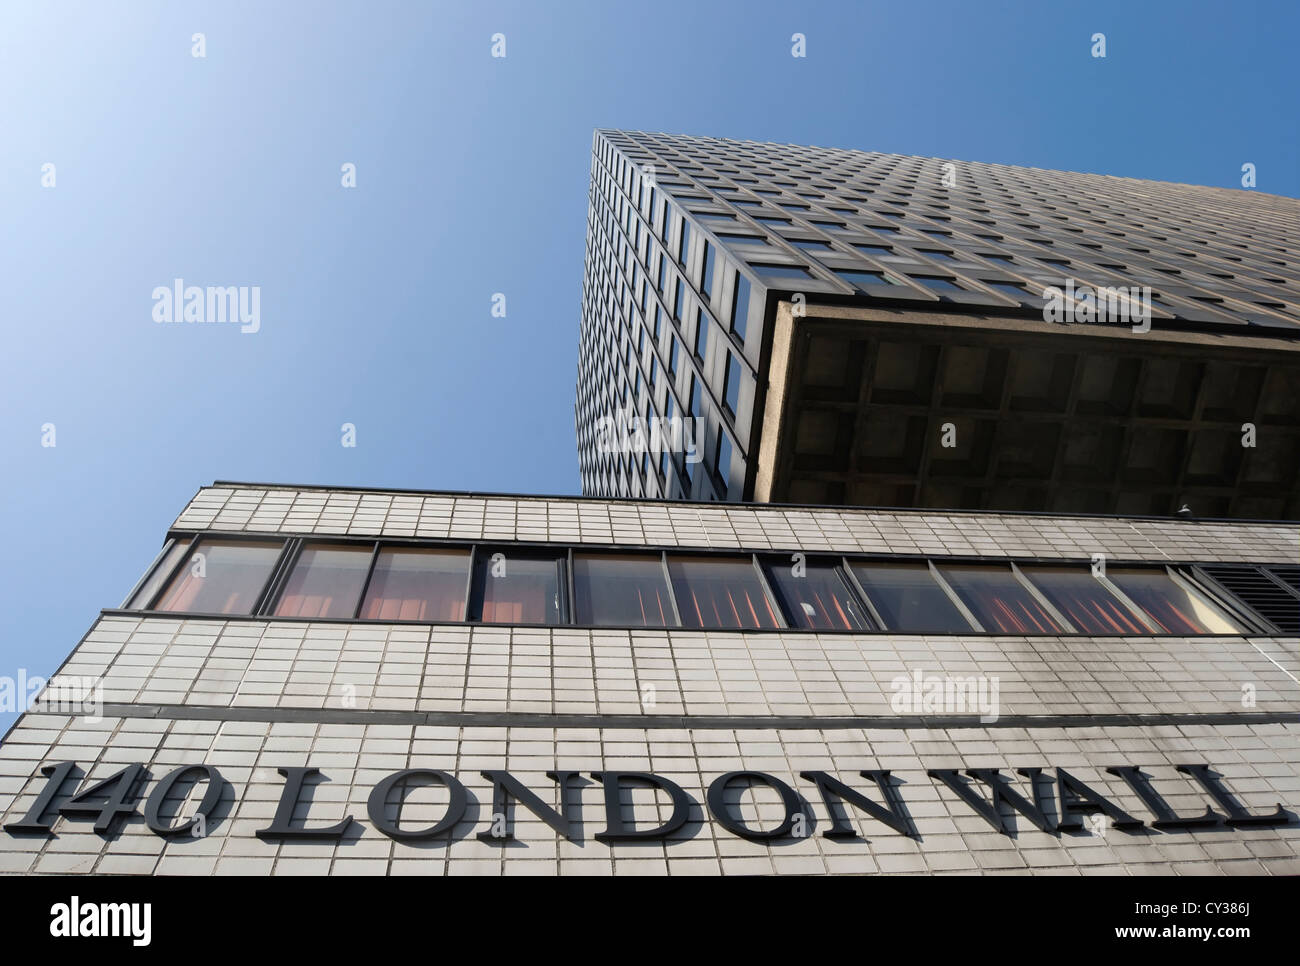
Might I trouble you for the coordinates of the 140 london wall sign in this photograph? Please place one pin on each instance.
(1056, 805)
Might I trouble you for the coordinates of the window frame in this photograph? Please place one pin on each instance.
(1184, 574)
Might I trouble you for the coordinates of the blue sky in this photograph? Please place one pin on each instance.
(471, 179)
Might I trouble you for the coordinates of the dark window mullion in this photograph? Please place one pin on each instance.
(470, 615)
(289, 555)
(672, 591)
(167, 547)
(365, 584)
(773, 602)
(1042, 600)
(955, 597)
(856, 590)
(167, 581)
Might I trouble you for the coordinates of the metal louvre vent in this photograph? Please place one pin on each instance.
(1288, 575)
(1262, 593)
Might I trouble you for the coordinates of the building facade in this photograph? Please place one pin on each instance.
(710, 664)
(330, 681)
(865, 329)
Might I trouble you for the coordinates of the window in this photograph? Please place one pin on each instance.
(417, 584)
(808, 244)
(684, 246)
(1174, 608)
(701, 334)
(221, 577)
(1007, 288)
(781, 271)
(740, 306)
(720, 592)
(999, 601)
(517, 588)
(710, 256)
(326, 582)
(874, 249)
(935, 253)
(722, 461)
(907, 598)
(938, 284)
(731, 394)
(1084, 600)
(677, 302)
(862, 279)
(621, 590)
(814, 596)
(672, 356)
(741, 239)
(141, 598)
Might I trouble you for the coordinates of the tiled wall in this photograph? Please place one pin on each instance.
(448, 516)
(456, 668)
(1259, 762)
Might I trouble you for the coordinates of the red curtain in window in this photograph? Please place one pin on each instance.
(516, 602)
(415, 596)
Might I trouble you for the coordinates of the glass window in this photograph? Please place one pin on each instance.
(722, 461)
(701, 334)
(517, 588)
(710, 257)
(677, 302)
(731, 395)
(672, 355)
(1007, 288)
(861, 279)
(907, 598)
(740, 306)
(1084, 600)
(720, 592)
(416, 584)
(999, 600)
(814, 596)
(781, 271)
(1173, 608)
(221, 577)
(938, 284)
(626, 590)
(727, 239)
(326, 582)
(140, 599)
(685, 244)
